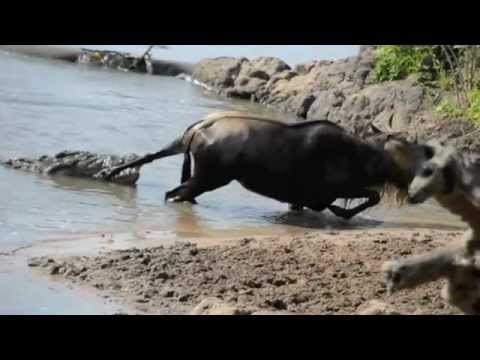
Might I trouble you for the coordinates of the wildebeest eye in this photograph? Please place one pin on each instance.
(428, 152)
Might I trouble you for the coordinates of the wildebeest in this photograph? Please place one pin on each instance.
(307, 164)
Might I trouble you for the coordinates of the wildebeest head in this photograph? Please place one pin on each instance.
(405, 151)
(435, 176)
(405, 155)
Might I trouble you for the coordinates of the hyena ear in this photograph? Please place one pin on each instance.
(449, 178)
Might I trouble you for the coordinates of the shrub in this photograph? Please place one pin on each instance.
(396, 62)
(472, 111)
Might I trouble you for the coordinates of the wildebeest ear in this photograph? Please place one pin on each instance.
(449, 178)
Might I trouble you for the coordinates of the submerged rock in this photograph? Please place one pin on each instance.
(82, 164)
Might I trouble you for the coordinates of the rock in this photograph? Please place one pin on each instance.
(326, 105)
(142, 299)
(375, 307)
(184, 297)
(34, 262)
(106, 264)
(277, 304)
(150, 293)
(269, 313)
(54, 270)
(214, 306)
(218, 72)
(161, 275)
(263, 67)
(239, 78)
(279, 282)
(168, 293)
(299, 298)
(246, 88)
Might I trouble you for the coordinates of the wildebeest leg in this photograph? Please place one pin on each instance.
(186, 168)
(373, 199)
(173, 195)
(197, 185)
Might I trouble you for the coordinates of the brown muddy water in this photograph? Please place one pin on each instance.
(47, 106)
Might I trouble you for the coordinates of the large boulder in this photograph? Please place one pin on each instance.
(263, 67)
(219, 73)
(297, 93)
(390, 106)
(238, 77)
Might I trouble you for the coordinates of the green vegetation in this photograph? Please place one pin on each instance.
(396, 62)
(451, 109)
(451, 70)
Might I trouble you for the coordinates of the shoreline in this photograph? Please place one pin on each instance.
(333, 271)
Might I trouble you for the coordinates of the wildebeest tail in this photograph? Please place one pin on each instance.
(174, 148)
(187, 159)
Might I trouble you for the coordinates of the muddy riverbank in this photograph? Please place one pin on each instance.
(318, 272)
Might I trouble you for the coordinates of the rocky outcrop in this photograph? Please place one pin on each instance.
(393, 105)
(78, 164)
(341, 91)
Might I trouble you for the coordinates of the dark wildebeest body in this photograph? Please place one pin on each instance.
(309, 164)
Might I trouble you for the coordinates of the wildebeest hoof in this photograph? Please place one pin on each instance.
(179, 199)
